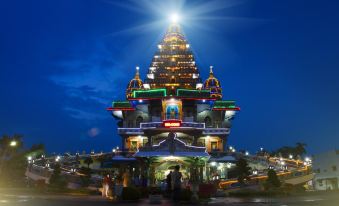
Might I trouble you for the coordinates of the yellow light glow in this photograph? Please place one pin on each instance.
(172, 124)
(13, 143)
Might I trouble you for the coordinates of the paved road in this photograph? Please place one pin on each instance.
(331, 199)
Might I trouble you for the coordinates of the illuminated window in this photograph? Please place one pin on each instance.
(134, 145)
(214, 145)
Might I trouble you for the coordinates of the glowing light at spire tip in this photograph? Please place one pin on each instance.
(174, 18)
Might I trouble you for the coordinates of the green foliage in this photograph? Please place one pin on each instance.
(242, 170)
(86, 179)
(57, 180)
(272, 180)
(130, 193)
(13, 160)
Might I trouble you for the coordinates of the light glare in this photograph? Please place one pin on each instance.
(174, 18)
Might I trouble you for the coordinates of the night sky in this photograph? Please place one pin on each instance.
(63, 62)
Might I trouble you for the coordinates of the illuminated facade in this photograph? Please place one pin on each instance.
(173, 116)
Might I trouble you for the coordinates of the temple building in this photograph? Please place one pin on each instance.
(172, 116)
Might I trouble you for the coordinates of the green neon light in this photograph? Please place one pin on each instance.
(193, 93)
(121, 104)
(224, 104)
(150, 93)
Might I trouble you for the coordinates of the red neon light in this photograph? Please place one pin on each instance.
(172, 123)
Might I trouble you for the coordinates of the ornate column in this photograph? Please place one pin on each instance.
(151, 175)
(195, 140)
(201, 173)
(207, 172)
(149, 142)
(123, 142)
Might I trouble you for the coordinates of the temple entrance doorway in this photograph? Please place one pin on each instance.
(163, 168)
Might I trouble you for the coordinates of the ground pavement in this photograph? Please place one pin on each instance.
(12, 199)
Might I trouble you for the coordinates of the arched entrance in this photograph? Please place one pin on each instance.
(167, 164)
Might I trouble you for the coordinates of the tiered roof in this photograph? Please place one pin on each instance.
(173, 65)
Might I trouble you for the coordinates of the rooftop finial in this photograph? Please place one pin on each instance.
(137, 75)
(211, 70)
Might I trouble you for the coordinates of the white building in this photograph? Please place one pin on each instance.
(326, 168)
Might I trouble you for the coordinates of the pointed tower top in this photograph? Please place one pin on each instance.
(173, 65)
(174, 28)
(211, 71)
(137, 75)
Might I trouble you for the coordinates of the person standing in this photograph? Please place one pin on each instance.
(126, 179)
(176, 183)
(105, 185)
(169, 182)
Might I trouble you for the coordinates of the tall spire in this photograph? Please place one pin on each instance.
(174, 28)
(137, 74)
(173, 65)
(211, 71)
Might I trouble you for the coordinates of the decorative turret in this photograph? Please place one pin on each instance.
(213, 85)
(135, 84)
(173, 65)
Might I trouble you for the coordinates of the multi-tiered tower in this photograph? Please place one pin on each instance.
(173, 113)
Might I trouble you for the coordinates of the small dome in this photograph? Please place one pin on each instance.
(134, 84)
(213, 85)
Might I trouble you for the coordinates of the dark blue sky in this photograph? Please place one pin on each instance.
(63, 62)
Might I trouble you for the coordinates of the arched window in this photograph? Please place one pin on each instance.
(208, 122)
(138, 121)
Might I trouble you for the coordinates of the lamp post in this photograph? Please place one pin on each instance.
(12, 144)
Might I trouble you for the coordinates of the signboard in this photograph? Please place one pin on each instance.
(171, 123)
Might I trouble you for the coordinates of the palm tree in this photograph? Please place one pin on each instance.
(88, 161)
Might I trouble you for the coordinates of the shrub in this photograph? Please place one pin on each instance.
(130, 193)
(154, 191)
(57, 180)
(86, 179)
(206, 190)
(185, 195)
(40, 184)
(144, 192)
(272, 180)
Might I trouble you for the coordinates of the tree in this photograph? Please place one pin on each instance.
(272, 180)
(300, 149)
(57, 180)
(88, 161)
(12, 162)
(242, 170)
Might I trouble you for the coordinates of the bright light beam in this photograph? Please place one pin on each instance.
(174, 18)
